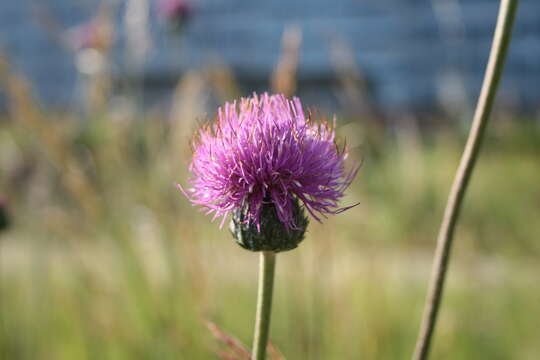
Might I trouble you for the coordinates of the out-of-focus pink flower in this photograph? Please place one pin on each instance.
(93, 34)
(175, 12)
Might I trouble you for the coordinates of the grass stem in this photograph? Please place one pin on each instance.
(499, 49)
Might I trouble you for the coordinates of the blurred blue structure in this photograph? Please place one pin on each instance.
(408, 49)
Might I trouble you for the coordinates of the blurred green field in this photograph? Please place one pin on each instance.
(105, 259)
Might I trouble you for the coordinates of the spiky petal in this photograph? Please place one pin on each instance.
(264, 150)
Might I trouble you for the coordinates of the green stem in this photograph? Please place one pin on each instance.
(264, 304)
(494, 70)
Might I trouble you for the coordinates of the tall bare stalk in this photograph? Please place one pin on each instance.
(494, 70)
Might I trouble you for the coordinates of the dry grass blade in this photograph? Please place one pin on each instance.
(283, 79)
(275, 354)
(226, 356)
(232, 343)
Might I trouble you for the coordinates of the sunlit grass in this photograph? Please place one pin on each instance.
(105, 259)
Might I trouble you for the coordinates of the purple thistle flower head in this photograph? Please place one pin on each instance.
(265, 151)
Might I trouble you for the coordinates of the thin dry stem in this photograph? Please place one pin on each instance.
(495, 66)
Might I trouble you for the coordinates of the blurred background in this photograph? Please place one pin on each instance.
(102, 258)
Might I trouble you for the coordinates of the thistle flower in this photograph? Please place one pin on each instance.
(265, 162)
(265, 152)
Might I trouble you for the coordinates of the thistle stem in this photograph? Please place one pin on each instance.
(494, 70)
(264, 304)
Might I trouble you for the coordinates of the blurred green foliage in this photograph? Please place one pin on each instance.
(105, 259)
